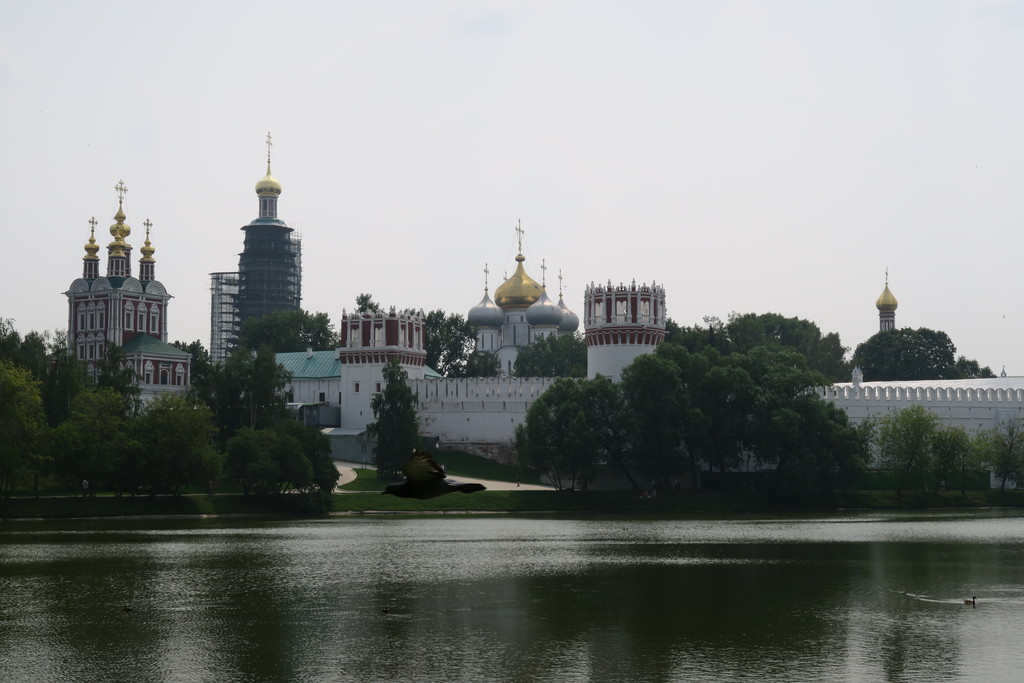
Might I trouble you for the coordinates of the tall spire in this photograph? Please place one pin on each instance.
(147, 264)
(119, 251)
(91, 262)
(268, 189)
(886, 305)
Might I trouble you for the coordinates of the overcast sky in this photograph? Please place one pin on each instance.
(750, 156)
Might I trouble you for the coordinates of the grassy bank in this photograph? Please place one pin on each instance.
(600, 502)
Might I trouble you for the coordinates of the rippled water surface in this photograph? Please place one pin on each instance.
(857, 597)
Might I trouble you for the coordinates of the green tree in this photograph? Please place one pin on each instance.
(247, 391)
(655, 396)
(177, 432)
(21, 424)
(201, 370)
(289, 331)
(904, 443)
(248, 460)
(449, 341)
(553, 356)
(394, 427)
(611, 426)
(483, 364)
(94, 439)
(1003, 451)
(557, 438)
(953, 451)
(907, 354)
(113, 371)
(823, 353)
(366, 304)
(66, 378)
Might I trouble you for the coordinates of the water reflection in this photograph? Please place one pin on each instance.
(852, 597)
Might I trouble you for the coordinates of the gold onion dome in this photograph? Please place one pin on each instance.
(91, 247)
(119, 230)
(520, 290)
(886, 302)
(147, 249)
(268, 186)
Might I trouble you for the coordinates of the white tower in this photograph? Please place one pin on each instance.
(621, 323)
(368, 342)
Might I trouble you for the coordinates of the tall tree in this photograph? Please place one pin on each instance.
(66, 378)
(907, 354)
(247, 391)
(366, 304)
(653, 390)
(823, 353)
(557, 438)
(177, 432)
(553, 356)
(1003, 451)
(114, 372)
(21, 424)
(94, 439)
(394, 427)
(905, 440)
(449, 341)
(953, 450)
(289, 331)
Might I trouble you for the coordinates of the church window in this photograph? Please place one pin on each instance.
(323, 397)
(355, 388)
(378, 388)
(81, 351)
(598, 311)
(378, 336)
(179, 376)
(142, 318)
(645, 311)
(149, 372)
(129, 315)
(154, 320)
(163, 375)
(81, 317)
(92, 320)
(99, 317)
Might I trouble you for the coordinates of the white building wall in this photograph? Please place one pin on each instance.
(475, 409)
(610, 360)
(309, 390)
(975, 405)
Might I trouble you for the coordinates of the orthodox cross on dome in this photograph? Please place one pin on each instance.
(559, 283)
(887, 276)
(148, 225)
(543, 273)
(519, 232)
(486, 273)
(122, 189)
(269, 145)
(92, 224)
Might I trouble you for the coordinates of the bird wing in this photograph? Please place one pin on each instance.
(420, 467)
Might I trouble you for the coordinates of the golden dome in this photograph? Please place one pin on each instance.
(520, 290)
(268, 186)
(119, 230)
(886, 302)
(147, 249)
(91, 248)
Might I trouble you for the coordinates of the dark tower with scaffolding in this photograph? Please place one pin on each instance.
(269, 276)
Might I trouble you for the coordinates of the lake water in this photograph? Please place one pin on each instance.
(854, 597)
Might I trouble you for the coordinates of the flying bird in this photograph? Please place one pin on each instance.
(424, 478)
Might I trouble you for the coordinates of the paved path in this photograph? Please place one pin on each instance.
(348, 474)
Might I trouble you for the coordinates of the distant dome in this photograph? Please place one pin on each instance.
(268, 186)
(520, 290)
(485, 313)
(886, 302)
(544, 312)
(570, 321)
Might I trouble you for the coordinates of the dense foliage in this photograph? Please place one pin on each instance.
(394, 426)
(907, 354)
(553, 356)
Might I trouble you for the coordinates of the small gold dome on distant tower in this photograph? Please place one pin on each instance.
(147, 249)
(268, 186)
(91, 247)
(520, 290)
(886, 302)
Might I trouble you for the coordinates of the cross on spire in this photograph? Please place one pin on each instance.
(121, 190)
(486, 273)
(92, 224)
(269, 145)
(543, 273)
(519, 232)
(559, 283)
(148, 225)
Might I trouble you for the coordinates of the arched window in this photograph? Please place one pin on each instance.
(149, 372)
(142, 318)
(163, 375)
(129, 316)
(179, 376)
(154, 321)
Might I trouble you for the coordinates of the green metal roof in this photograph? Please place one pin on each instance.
(321, 365)
(143, 343)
